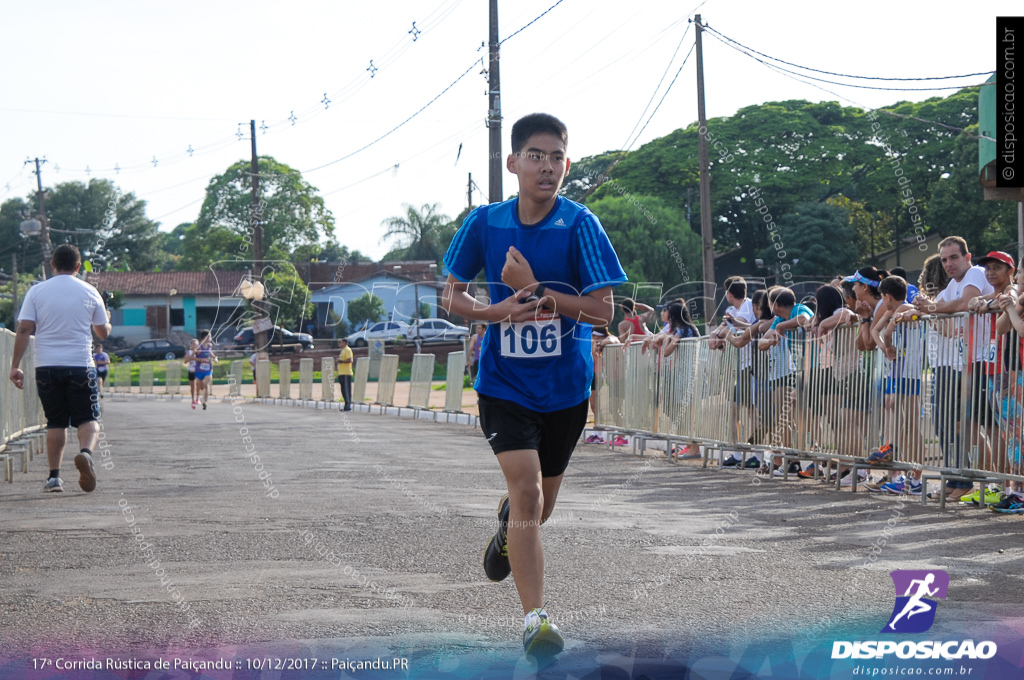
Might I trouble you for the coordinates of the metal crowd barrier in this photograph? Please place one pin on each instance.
(21, 413)
(949, 398)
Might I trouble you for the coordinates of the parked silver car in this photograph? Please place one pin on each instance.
(438, 331)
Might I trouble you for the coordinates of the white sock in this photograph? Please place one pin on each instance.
(533, 618)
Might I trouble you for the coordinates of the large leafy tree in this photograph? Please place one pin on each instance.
(419, 234)
(652, 239)
(292, 214)
(109, 227)
(367, 307)
(815, 240)
(797, 152)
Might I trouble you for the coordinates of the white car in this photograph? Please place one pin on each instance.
(438, 330)
(388, 331)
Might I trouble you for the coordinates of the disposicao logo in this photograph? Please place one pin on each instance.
(914, 612)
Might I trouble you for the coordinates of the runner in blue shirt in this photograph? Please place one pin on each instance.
(205, 359)
(550, 269)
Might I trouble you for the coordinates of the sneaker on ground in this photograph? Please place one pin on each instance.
(916, 488)
(991, 497)
(897, 485)
(752, 463)
(54, 485)
(847, 480)
(193, 405)
(1011, 505)
(620, 441)
(204, 405)
(541, 638)
(86, 473)
(731, 461)
(875, 487)
(496, 564)
(687, 453)
(882, 456)
(808, 473)
(595, 439)
(794, 468)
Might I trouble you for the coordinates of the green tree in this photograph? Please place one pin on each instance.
(7, 312)
(109, 227)
(815, 240)
(368, 307)
(287, 297)
(421, 234)
(652, 240)
(331, 251)
(292, 213)
(958, 207)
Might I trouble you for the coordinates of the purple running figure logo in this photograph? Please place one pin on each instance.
(913, 611)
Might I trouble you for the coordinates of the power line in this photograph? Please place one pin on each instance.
(626, 144)
(833, 82)
(841, 75)
(535, 20)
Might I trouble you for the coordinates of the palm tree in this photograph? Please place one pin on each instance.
(420, 234)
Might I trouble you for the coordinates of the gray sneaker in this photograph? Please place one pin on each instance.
(86, 473)
(54, 485)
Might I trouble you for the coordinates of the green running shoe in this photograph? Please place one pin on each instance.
(496, 564)
(541, 638)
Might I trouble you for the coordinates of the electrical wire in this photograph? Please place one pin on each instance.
(841, 75)
(833, 82)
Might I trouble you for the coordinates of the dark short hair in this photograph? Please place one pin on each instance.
(828, 299)
(66, 258)
(895, 286)
(898, 271)
(738, 288)
(535, 123)
(782, 297)
(954, 240)
(628, 304)
(342, 339)
(204, 334)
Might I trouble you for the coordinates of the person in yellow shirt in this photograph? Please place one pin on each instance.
(345, 372)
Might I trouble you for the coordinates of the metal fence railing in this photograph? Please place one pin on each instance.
(947, 394)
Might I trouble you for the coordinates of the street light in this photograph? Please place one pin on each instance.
(172, 293)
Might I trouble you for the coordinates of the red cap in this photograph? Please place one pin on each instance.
(999, 256)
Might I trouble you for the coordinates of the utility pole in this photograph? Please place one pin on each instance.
(469, 192)
(256, 222)
(14, 269)
(44, 234)
(494, 193)
(706, 234)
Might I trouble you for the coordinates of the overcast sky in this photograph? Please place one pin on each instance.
(116, 83)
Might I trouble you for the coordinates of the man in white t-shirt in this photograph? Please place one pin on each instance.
(62, 313)
(946, 350)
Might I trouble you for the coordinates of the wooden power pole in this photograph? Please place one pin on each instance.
(494, 193)
(706, 234)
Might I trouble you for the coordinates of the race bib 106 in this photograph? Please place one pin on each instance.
(537, 338)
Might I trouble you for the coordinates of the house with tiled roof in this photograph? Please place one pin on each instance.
(164, 304)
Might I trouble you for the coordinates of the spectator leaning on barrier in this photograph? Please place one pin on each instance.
(790, 318)
(680, 326)
(946, 347)
(912, 290)
(62, 313)
(983, 343)
(869, 301)
(901, 340)
(637, 315)
(1008, 394)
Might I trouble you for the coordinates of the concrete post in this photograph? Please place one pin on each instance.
(235, 380)
(453, 382)
(173, 381)
(284, 380)
(306, 379)
(327, 379)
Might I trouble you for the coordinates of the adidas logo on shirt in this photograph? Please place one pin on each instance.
(560, 222)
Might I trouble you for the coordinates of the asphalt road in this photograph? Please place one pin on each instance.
(366, 532)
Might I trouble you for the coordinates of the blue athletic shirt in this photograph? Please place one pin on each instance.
(543, 365)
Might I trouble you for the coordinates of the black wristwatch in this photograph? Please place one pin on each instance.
(867, 320)
(539, 292)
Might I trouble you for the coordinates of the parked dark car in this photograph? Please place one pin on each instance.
(151, 350)
(246, 339)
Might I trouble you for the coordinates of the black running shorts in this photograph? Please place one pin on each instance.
(69, 395)
(510, 427)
